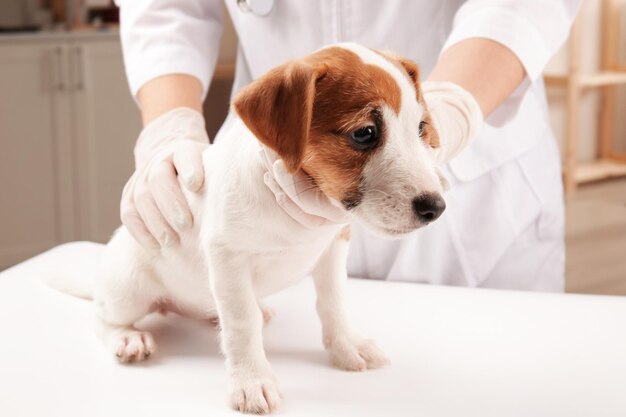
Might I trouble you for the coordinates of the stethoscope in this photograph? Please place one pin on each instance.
(256, 7)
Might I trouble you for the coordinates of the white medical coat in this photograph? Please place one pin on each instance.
(504, 223)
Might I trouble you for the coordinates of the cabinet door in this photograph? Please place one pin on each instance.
(107, 123)
(35, 162)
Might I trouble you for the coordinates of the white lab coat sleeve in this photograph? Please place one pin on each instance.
(533, 29)
(162, 37)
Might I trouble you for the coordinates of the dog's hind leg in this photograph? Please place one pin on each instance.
(121, 300)
(126, 342)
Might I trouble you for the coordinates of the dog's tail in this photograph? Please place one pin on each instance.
(69, 282)
(73, 274)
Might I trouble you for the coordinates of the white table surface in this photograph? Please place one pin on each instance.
(454, 351)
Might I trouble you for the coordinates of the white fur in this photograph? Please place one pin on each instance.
(244, 247)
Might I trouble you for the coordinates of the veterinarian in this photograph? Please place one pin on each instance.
(503, 227)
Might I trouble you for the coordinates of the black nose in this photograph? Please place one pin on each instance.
(428, 207)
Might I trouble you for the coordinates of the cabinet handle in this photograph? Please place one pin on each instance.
(78, 57)
(59, 58)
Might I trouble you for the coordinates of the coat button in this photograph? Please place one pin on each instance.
(256, 7)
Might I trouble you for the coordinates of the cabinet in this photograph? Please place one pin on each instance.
(106, 124)
(67, 128)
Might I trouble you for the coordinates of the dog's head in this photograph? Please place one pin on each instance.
(354, 119)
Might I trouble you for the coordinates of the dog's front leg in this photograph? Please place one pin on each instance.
(348, 350)
(253, 386)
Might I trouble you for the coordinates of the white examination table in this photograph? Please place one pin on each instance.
(454, 352)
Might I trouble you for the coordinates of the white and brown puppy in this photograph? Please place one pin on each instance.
(351, 118)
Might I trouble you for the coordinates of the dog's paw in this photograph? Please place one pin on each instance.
(355, 354)
(133, 345)
(255, 395)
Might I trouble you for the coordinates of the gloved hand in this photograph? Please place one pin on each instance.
(153, 207)
(298, 196)
(456, 116)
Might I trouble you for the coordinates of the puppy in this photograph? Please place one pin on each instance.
(355, 121)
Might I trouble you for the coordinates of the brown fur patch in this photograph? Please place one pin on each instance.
(344, 234)
(411, 69)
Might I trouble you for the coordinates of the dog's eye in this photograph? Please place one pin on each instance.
(422, 126)
(364, 137)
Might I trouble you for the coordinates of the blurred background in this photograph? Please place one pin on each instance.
(68, 126)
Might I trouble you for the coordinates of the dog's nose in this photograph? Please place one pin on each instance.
(428, 207)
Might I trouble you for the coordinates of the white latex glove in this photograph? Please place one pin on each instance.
(455, 114)
(298, 195)
(153, 207)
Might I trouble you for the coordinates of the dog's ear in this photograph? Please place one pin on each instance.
(412, 69)
(278, 108)
(430, 135)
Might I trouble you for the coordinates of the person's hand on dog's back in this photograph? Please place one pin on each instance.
(153, 207)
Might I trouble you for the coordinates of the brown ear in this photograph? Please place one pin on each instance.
(412, 69)
(430, 135)
(278, 108)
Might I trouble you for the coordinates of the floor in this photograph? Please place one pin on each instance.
(596, 239)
